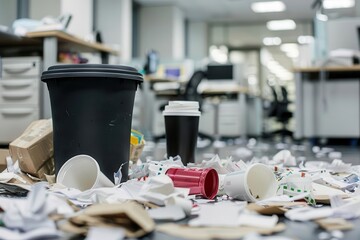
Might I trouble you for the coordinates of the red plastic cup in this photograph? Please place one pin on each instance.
(204, 182)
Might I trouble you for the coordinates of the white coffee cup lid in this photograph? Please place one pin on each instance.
(183, 104)
(182, 108)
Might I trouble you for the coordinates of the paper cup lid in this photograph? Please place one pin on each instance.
(182, 108)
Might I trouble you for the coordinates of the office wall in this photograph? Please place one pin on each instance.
(238, 35)
(197, 40)
(42, 8)
(114, 21)
(7, 12)
(161, 28)
(179, 34)
(349, 34)
(82, 16)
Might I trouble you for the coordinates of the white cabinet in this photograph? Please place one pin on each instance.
(19, 95)
(228, 117)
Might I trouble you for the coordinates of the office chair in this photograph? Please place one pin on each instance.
(190, 93)
(279, 109)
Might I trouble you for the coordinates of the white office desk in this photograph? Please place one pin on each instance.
(328, 108)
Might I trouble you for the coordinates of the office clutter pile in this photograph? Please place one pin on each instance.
(222, 198)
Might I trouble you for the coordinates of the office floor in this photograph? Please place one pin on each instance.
(246, 149)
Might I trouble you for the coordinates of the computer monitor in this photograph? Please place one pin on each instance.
(220, 72)
(221, 76)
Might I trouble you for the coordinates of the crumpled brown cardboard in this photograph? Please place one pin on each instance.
(130, 216)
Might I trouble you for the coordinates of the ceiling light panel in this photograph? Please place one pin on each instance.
(333, 4)
(272, 6)
(272, 41)
(277, 25)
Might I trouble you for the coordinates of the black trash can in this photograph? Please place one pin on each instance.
(92, 107)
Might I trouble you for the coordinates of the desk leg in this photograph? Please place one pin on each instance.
(104, 58)
(243, 114)
(299, 104)
(49, 58)
(147, 110)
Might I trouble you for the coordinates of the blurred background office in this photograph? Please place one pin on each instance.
(271, 69)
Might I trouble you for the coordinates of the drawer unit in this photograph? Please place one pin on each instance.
(19, 95)
(19, 91)
(20, 67)
(14, 120)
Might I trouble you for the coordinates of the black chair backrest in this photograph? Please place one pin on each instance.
(275, 96)
(191, 92)
(284, 94)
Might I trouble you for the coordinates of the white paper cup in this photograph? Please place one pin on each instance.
(256, 183)
(82, 172)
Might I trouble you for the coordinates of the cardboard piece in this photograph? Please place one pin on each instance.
(136, 150)
(332, 224)
(130, 216)
(34, 148)
(266, 210)
(26, 180)
(185, 231)
(3, 154)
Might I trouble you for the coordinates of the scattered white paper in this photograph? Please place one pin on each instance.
(7, 176)
(308, 213)
(349, 210)
(129, 190)
(285, 157)
(243, 152)
(159, 184)
(338, 166)
(217, 215)
(185, 204)
(315, 165)
(214, 163)
(159, 189)
(319, 189)
(12, 166)
(171, 212)
(38, 233)
(32, 213)
(156, 168)
(336, 201)
(258, 221)
(282, 198)
(108, 233)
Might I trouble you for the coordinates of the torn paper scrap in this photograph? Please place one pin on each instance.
(170, 213)
(258, 221)
(225, 214)
(108, 233)
(38, 233)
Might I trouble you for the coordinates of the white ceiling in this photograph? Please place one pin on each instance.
(240, 11)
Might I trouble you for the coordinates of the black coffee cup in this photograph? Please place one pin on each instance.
(181, 128)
